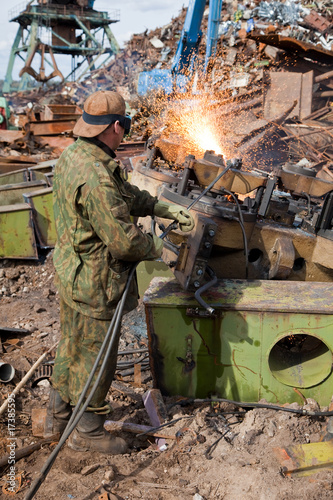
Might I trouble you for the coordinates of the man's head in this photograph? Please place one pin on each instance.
(104, 112)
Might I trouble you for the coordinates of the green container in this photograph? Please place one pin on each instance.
(266, 339)
(14, 177)
(17, 235)
(13, 193)
(41, 203)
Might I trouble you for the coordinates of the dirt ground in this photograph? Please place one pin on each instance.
(215, 451)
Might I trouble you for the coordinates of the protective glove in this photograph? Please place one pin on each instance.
(175, 212)
(158, 243)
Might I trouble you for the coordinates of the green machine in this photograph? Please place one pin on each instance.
(265, 339)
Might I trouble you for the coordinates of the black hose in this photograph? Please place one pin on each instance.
(241, 223)
(132, 351)
(267, 406)
(77, 412)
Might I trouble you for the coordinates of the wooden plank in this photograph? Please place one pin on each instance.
(306, 95)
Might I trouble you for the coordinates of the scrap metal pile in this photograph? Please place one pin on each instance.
(265, 100)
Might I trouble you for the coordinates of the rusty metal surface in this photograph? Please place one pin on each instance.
(162, 175)
(11, 135)
(9, 168)
(61, 111)
(304, 184)
(248, 295)
(58, 143)
(318, 22)
(38, 420)
(172, 149)
(234, 180)
(128, 149)
(286, 88)
(295, 46)
(53, 127)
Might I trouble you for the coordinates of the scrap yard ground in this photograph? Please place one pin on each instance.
(268, 107)
(211, 452)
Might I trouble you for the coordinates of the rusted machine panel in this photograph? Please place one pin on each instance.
(65, 32)
(42, 211)
(17, 235)
(51, 127)
(241, 182)
(8, 168)
(13, 193)
(127, 150)
(264, 339)
(42, 171)
(21, 175)
(61, 112)
(268, 226)
(312, 186)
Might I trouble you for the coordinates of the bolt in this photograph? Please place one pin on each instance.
(199, 272)
(196, 284)
(211, 233)
(207, 244)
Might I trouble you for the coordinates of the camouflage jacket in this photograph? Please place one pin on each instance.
(96, 239)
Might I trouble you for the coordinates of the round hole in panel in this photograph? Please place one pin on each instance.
(300, 360)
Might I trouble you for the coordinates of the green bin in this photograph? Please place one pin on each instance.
(267, 339)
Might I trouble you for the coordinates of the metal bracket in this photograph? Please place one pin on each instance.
(192, 260)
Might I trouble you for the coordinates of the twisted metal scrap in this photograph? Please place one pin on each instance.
(283, 13)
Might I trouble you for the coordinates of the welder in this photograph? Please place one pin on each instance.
(97, 242)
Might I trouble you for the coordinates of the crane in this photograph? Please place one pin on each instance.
(187, 50)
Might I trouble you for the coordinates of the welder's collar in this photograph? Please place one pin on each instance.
(101, 145)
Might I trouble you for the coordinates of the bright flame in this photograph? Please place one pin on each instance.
(196, 122)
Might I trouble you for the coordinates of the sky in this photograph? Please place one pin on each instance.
(135, 17)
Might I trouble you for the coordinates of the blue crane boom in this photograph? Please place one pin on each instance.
(187, 49)
(189, 39)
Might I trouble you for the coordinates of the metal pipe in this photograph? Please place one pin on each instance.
(209, 187)
(27, 376)
(174, 224)
(205, 287)
(7, 372)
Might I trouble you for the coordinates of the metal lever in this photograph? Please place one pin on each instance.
(174, 224)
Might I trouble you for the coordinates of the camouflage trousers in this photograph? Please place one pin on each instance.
(81, 339)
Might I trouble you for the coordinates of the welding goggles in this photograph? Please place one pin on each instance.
(125, 121)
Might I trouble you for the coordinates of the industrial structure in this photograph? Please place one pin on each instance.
(67, 27)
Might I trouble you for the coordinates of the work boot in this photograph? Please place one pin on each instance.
(90, 435)
(58, 414)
